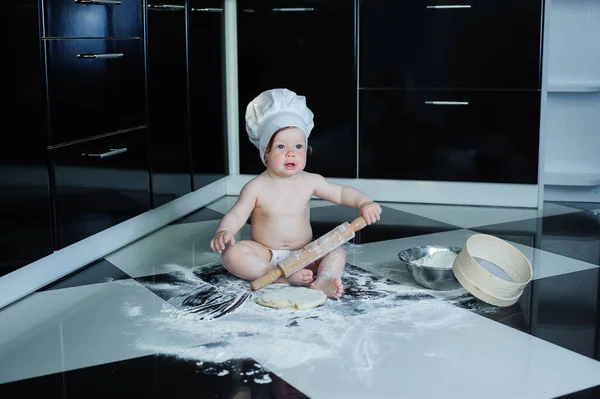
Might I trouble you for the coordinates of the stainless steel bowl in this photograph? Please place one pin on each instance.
(435, 278)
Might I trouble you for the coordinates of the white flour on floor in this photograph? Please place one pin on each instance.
(372, 309)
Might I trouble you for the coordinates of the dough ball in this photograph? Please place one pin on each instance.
(292, 297)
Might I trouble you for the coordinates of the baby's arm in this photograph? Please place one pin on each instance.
(347, 196)
(233, 221)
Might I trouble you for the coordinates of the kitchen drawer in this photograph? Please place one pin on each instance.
(468, 136)
(93, 18)
(95, 87)
(98, 184)
(312, 54)
(472, 44)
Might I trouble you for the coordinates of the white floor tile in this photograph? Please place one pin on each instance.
(382, 257)
(223, 205)
(173, 248)
(73, 328)
(440, 351)
(474, 216)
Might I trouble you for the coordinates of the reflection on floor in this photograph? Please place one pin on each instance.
(161, 317)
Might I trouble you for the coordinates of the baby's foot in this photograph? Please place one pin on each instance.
(301, 277)
(332, 287)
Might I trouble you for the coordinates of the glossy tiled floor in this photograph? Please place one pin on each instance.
(130, 325)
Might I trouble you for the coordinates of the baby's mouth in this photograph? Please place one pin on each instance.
(290, 165)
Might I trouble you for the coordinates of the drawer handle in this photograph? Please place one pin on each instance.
(111, 55)
(111, 152)
(447, 102)
(451, 6)
(292, 9)
(207, 9)
(165, 7)
(99, 2)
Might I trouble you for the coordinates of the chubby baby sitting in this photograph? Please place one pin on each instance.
(279, 123)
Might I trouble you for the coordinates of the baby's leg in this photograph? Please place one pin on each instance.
(249, 260)
(329, 273)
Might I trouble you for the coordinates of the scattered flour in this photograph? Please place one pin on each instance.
(441, 259)
(132, 310)
(222, 373)
(371, 308)
(264, 380)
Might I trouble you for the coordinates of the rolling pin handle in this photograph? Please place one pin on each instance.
(266, 279)
(358, 223)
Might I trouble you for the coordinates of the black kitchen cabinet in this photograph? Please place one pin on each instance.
(25, 220)
(167, 102)
(207, 108)
(93, 18)
(443, 135)
(309, 48)
(99, 183)
(442, 44)
(95, 86)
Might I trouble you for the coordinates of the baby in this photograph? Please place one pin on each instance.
(278, 123)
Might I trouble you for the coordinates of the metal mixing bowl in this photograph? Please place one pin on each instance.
(435, 278)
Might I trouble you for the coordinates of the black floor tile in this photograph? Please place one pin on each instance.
(393, 224)
(101, 271)
(48, 386)
(201, 215)
(586, 206)
(157, 376)
(575, 235)
(566, 311)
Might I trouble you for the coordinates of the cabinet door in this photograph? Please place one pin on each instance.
(467, 136)
(445, 44)
(207, 85)
(25, 222)
(167, 102)
(94, 87)
(307, 47)
(93, 18)
(99, 183)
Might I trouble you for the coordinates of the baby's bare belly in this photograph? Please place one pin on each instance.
(283, 233)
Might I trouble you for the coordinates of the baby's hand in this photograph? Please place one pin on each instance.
(220, 239)
(370, 211)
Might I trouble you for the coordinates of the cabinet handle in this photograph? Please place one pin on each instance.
(165, 7)
(292, 9)
(451, 6)
(111, 55)
(99, 2)
(447, 102)
(207, 9)
(111, 152)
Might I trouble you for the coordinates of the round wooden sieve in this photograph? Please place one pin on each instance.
(483, 284)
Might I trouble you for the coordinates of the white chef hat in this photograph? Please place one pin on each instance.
(273, 109)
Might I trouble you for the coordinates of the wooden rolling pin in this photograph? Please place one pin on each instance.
(311, 252)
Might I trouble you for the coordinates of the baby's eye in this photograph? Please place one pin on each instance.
(299, 146)
(280, 146)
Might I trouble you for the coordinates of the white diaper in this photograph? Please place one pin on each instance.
(278, 255)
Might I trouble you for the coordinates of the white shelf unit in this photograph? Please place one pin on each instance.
(573, 87)
(572, 107)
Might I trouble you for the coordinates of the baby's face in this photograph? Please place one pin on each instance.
(288, 153)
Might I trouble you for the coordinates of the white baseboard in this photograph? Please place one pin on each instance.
(481, 194)
(572, 193)
(44, 271)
